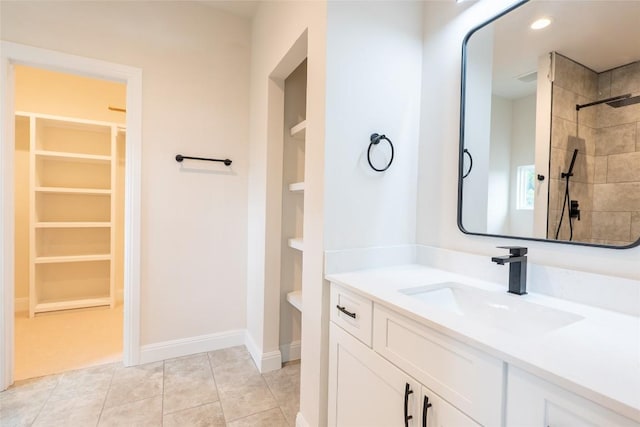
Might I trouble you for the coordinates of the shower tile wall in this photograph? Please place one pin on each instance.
(616, 188)
(573, 84)
(606, 179)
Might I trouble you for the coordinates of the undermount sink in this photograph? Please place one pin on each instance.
(493, 309)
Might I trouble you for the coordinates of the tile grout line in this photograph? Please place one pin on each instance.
(258, 413)
(104, 402)
(46, 400)
(213, 375)
(270, 392)
(278, 402)
(274, 398)
(162, 394)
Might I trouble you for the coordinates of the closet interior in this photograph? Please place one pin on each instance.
(69, 174)
(292, 252)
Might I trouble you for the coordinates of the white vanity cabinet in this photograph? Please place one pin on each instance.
(366, 389)
(532, 401)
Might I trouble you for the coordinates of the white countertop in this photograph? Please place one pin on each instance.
(597, 357)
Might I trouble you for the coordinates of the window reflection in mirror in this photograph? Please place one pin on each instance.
(565, 99)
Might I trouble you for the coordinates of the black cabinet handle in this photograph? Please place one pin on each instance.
(407, 417)
(425, 407)
(344, 310)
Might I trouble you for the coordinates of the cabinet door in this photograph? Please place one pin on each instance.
(436, 412)
(533, 402)
(470, 379)
(365, 390)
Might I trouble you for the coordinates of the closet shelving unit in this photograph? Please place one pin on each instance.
(72, 206)
(294, 132)
(298, 134)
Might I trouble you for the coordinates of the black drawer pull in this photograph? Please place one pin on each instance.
(425, 406)
(344, 310)
(407, 392)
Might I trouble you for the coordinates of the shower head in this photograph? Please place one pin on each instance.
(624, 101)
(609, 101)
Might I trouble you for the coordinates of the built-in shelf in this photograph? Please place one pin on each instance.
(67, 190)
(296, 244)
(72, 304)
(72, 258)
(295, 299)
(73, 224)
(71, 157)
(299, 130)
(72, 176)
(296, 186)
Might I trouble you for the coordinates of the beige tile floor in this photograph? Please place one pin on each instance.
(219, 388)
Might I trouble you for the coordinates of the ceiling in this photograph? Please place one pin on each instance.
(598, 34)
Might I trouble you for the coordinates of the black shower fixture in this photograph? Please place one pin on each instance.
(569, 206)
(614, 101)
(624, 101)
(569, 173)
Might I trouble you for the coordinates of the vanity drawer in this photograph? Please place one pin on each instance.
(352, 313)
(467, 378)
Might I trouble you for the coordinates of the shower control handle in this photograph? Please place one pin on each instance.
(574, 210)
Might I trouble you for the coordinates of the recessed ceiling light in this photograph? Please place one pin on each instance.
(540, 23)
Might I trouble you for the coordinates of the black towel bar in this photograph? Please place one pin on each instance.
(180, 158)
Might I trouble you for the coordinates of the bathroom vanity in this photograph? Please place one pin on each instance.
(418, 346)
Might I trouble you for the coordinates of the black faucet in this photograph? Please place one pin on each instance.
(517, 260)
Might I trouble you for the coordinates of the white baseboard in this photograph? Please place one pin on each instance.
(291, 351)
(21, 304)
(186, 346)
(266, 362)
(300, 421)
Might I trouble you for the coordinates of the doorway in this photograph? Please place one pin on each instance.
(13, 55)
(69, 220)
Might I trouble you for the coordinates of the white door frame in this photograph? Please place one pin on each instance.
(13, 53)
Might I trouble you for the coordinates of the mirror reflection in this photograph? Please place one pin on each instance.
(551, 124)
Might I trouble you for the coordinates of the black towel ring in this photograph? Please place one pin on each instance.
(465, 151)
(375, 140)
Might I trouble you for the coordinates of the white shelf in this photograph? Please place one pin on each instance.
(60, 151)
(295, 299)
(299, 130)
(69, 121)
(68, 190)
(72, 258)
(296, 186)
(296, 244)
(72, 157)
(75, 224)
(71, 304)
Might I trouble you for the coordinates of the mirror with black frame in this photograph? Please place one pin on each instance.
(550, 124)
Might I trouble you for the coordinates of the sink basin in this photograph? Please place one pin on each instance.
(495, 310)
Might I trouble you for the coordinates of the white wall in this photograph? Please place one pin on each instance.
(195, 63)
(275, 29)
(523, 142)
(446, 23)
(499, 166)
(374, 62)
